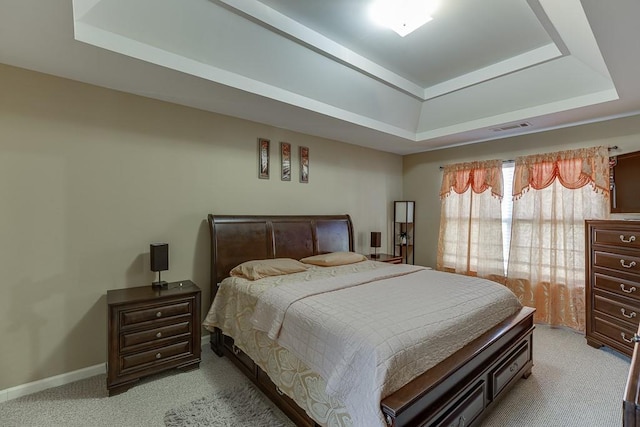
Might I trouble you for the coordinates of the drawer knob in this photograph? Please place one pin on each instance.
(631, 238)
(159, 314)
(514, 367)
(628, 316)
(627, 291)
(159, 334)
(236, 350)
(631, 264)
(158, 356)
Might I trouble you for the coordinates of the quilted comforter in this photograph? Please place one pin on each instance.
(366, 328)
(369, 333)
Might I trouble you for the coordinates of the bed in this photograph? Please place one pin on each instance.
(456, 391)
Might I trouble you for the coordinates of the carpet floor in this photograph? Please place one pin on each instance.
(572, 385)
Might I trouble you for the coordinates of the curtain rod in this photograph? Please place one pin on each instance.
(614, 147)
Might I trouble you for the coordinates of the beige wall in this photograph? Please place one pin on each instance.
(422, 174)
(89, 177)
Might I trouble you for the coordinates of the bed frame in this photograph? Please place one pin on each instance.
(457, 391)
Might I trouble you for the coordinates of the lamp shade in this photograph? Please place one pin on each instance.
(376, 239)
(404, 211)
(159, 256)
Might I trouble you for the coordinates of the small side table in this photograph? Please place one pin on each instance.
(151, 330)
(391, 259)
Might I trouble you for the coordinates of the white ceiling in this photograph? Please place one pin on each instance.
(321, 67)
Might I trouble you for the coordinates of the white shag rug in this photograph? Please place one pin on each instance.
(241, 406)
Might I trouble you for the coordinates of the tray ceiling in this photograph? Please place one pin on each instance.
(476, 72)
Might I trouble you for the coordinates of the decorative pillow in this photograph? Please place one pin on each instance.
(334, 258)
(257, 269)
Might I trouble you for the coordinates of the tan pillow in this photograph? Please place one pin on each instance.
(257, 269)
(334, 258)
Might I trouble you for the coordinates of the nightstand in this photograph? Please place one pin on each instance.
(391, 259)
(151, 330)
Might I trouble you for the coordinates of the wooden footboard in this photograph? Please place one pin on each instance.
(457, 391)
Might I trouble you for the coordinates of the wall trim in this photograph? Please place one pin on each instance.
(62, 379)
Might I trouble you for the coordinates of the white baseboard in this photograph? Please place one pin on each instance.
(62, 379)
(55, 381)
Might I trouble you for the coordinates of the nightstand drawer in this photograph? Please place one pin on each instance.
(132, 339)
(155, 356)
(132, 317)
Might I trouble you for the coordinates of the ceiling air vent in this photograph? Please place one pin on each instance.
(512, 126)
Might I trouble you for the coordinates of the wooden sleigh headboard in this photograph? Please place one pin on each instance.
(236, 239)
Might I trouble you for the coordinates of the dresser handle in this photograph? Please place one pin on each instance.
(280, 392)
(159, 334)
(631, 264)
(631, 238)
(628, 316)
(159, 314)
(236, 350)
(513, 367)
(627, 291)
(634, 338)
(158, 356)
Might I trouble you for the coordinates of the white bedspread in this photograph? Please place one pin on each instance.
(369, 333)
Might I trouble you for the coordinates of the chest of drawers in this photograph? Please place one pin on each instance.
(613, 283)
(151, 330)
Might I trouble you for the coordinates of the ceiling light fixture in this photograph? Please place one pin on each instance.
(402, 16)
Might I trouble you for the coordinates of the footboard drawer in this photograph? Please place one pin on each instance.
(508, 370)
(283, 401)
(466, 409)
(239, 356)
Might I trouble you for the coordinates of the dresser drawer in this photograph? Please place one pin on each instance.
(157, 355)
(626, 312)
(133, 316)
(623, 238)
(618, 334)
(132, 339)
(617, 285)
(620, 262)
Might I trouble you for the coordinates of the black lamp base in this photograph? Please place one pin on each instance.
(161, 284)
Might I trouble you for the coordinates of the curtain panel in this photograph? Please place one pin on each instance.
(553, 195)
(470, 237)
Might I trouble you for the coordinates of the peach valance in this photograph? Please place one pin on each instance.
(480, 176)
(573, 169)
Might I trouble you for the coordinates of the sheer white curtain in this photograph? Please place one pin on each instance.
(553, 195)
(470, 238)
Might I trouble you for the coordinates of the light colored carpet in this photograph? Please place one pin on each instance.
(572, 385)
